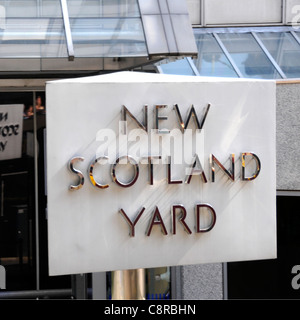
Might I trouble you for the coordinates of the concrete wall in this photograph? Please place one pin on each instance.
(202, 282)
(288, 136)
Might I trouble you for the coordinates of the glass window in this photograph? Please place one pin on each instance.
(211, 59)
(100, 28)
(107, 28)
(285, 50)
(178, 67)
(103, 8)
(158, 283)
(31, 29)
(248, 56)
(34, 8)
(22, 138)
(17, 240)
(99, 37)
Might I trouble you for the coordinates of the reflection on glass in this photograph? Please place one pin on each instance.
(18, 192)
(285, 50)
(107, 28)
(248, 56)
(178, 67)
(30, 8)
(103, 8)
(31, 29)
(114, 37)
(17, 195)
(211, 61)
(39, 107)
(159, 283)
(100, 28)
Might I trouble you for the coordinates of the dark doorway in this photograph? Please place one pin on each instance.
(20, 230)
(271, 279)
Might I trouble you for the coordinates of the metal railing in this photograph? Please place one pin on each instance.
(38, 294)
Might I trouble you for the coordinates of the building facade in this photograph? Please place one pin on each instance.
(64, 39)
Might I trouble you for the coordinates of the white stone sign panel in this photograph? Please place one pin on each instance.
(147, 170)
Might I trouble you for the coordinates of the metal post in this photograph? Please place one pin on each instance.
(129, 284)
(202, 13)
(36, 191)
(176, 285)
(228, 56)
(294, 34)
(225, 281)
(66, 19)
(283, 12)
(99, 285)
(36, 294)
(269, 56)
(79, 286)
(192, 65)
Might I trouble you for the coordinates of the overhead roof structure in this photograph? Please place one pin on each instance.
(248, 52)
(91, 35)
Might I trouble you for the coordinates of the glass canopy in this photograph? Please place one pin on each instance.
(285, 50)
(43, 35)
(107, 28)
(36, 29)
(248, 56)
(211, 59)
(181, 67)
(262, 53)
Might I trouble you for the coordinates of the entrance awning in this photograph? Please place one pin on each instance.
(91, 35)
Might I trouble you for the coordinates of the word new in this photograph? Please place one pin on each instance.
(158, 118)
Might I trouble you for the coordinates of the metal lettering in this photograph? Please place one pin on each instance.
(213, 217)
(150, 166)
(77, 172)
(214, 160)
(132, 224)
(159, 118)
(91, 173)
(258, 166)
(170, 181)
(157, 220)
(193, 170)
(191, 114)
(136, 172)
(144, 126)
(205, 115)
(181, 123)
(181, 208)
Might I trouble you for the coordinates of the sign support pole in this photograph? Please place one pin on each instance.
(79, 286)
(129, 284)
